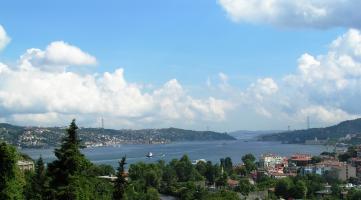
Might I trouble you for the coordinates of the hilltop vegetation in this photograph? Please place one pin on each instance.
(38, 137)
(332, 133)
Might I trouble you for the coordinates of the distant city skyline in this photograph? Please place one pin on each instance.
(221, 65)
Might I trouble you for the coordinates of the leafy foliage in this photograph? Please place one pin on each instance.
(11, 180)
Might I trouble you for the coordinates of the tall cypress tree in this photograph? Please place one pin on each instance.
(69, 163)
(121, 182)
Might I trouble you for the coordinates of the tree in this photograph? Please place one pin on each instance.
(249, 157)
(184, 169)
(201, 167)
(245, 187)
(316, 159)
(11, 179)
(39, 182)
(283, 187)
(210, 173)
(222, 180)
(354, 195)
(249, 162)
(226, 164)
(221, 195)
(299, 191)
(152, 194)
(69, 164)
(121, 182)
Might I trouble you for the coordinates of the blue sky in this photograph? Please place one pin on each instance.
(190, 41)
(158, 40)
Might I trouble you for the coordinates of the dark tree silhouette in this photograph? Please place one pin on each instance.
(121, 182)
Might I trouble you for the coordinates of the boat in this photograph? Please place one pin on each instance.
(149, 155)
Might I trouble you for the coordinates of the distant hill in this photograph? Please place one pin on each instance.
(38, 137)
(245, 134)
(350, 127)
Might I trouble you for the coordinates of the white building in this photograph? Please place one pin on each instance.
(272, 161)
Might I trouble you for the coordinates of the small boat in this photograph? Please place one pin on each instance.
(149, 155)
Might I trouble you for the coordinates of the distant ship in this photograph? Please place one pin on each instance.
(149, 155)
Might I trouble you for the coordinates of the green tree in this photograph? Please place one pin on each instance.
(39, 182)
(316, 159)
(248, 157)
(152, 194)
(201, 167)
(121, 182)
(210, 173)
(222, 180)
(283, 187)
(299, 190)
(70, 164)
(249, 162)
(354, 195)
(227, 165)
(11, 179)
(184, 169)
(245, 187)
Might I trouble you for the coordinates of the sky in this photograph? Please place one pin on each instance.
(218, 64)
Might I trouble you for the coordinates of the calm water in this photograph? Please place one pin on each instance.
(212, 151)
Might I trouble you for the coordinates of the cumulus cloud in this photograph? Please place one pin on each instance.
(31, 93)
(40, 91)
(325, 87)
(4, 38)
(56, 57)
(304, 13)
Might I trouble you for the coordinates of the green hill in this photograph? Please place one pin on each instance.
(351, 127)
(38, 137)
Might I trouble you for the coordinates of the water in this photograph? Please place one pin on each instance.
(209, 150)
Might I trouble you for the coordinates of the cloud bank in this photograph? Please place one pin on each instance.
(303, 13)
(326, 87)
(41, 89)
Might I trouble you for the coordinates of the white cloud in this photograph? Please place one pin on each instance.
(56, 57)
(39, 91)
(4, 38)
(300, 13)
(31, 93)
(223, 77)
(325, 87)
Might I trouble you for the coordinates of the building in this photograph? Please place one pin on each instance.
(26, 165)
(343, 171)
(272, 161)
(300, 159)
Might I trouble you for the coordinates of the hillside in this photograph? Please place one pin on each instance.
(38, 137)
(333, 133)
(246, 135)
